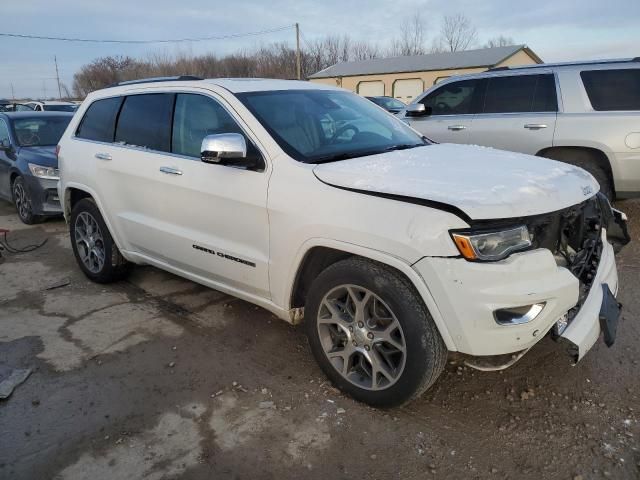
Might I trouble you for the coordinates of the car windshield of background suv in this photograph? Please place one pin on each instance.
(315, 126)
(40, 132)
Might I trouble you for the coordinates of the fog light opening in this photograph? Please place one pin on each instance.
(561, 325)
(518, 315)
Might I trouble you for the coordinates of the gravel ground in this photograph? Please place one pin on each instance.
(158, 377)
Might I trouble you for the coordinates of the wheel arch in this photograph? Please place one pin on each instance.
(73, 193)
(318, 254)
(598, 155)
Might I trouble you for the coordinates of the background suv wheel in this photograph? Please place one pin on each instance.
(93, 246)
(371, 333)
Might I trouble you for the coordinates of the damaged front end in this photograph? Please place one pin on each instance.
(575, 237)
(579, 238)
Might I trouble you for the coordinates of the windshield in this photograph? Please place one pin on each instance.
(388, 102)
(315, 126)
(40, 132)
(60, 108)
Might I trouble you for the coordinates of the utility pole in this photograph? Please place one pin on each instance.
(298, 52)
(13, 94)
(55, 60)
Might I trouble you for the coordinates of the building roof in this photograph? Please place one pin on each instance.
(483, 57)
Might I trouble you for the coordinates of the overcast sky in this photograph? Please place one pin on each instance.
(557, 30)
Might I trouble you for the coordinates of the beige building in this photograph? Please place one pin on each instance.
(406, 77)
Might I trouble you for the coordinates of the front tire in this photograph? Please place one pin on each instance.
(22, 201)
(94, 248)
(371, 333)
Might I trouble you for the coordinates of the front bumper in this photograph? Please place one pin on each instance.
(44, 195)
(584, 330)
(468, 293)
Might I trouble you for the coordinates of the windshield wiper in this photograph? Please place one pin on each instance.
(403, 147)
(348, 155)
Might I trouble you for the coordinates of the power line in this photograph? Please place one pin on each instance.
(178, 40)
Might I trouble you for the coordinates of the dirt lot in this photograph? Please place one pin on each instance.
(158, 377)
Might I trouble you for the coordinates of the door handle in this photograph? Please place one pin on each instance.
(535, 126)
(102, 156)
(171, 170)
(456, 128)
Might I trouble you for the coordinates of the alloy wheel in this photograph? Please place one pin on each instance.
(89, 242)
(361, 337)
(21, 199)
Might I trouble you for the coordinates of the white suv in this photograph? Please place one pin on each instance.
(313, 202)
(585, 114)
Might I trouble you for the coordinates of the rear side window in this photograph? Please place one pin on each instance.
(613, 89)
(455, 98)
(145, 121)
(99, 121)
(521, 93)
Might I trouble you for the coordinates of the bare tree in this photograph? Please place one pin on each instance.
(364, 51)
(499, 41)
(412, 37)
(457, 33)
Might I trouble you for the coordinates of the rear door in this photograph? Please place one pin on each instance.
(517, 113)
(452, 107)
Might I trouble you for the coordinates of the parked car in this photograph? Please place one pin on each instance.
(390, 104)
(393, 250)
(4, 105)
(586, 114)
(28, 164)
(51, 106)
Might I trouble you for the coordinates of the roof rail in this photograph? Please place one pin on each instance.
(154, 80)
(567, 64)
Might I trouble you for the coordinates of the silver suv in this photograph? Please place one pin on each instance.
(586, 114)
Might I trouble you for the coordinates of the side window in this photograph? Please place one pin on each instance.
(99, 121)
(145, 121)
(455, 98)
(613, 89)
(520, 93)
(197, 116)
(546, 98)
(4, 132)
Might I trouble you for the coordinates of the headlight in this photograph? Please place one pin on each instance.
(44, 172)
(492, 246)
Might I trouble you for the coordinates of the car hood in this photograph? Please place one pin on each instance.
(45, 156)
(477, 182)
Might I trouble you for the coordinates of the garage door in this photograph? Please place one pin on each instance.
(371, 89)
(407, 89)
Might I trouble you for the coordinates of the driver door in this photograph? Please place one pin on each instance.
(452, 109)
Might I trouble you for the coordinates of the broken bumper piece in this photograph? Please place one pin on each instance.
(599, 312)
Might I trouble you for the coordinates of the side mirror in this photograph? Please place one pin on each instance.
(5, 146)
(224, 149)
(418, 110)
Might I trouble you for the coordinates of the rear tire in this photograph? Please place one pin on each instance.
(371, 333)
(94, 248)
(588, 161)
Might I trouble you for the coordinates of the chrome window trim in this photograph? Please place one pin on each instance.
(235, 117)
